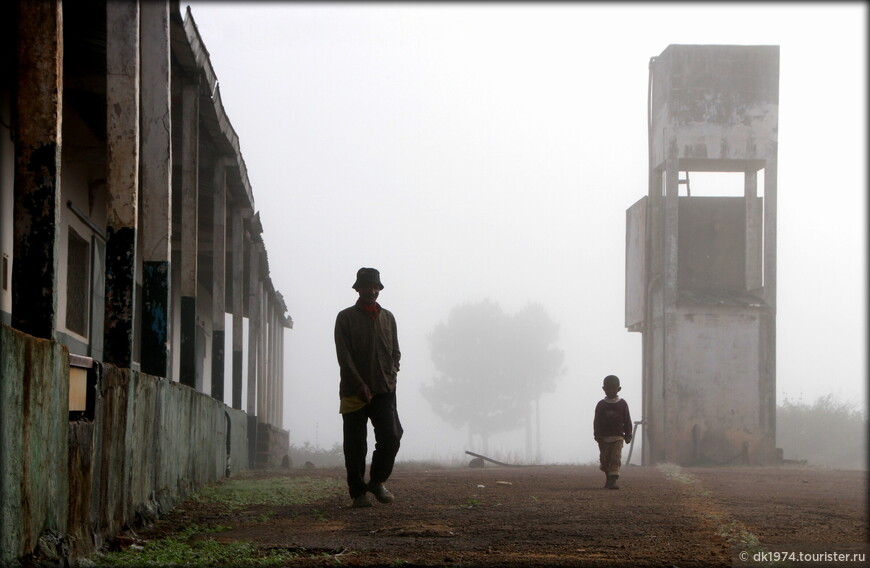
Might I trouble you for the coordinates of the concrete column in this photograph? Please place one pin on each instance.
(156, 198)
(280, 396)
(753, 219)
(652, 428)
(264, 396)
(219, 255)
(770, 199)
(37, 168)
(189, 228)
(273, 358)
(750, 183)
(238, 268)
(273, 361)
(253, 327)
(669, 298)
(767, 352)
(270, 354)
(262, 354)
(122, 178)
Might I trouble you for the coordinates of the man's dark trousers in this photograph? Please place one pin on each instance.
(388, 432)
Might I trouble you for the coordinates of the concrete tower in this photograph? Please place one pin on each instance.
(701, 270)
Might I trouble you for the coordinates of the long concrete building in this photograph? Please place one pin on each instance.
(131, 248)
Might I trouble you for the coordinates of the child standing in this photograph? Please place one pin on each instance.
(612, 427)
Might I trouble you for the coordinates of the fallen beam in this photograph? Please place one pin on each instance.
(492, 460)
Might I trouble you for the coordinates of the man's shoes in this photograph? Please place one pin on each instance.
(381, 493)
(361, 501)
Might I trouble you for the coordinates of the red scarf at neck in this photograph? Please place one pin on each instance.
(372, 309)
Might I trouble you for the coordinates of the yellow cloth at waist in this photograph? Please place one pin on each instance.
(350, 404)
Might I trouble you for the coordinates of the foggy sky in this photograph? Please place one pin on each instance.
(490, 151)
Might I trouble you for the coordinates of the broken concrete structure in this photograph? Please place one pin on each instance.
(701, 269)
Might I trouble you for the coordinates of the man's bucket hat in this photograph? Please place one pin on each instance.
(367, 276)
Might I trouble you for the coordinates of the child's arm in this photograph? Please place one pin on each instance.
(626, 425)
(596, 422)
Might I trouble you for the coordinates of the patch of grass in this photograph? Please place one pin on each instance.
(236, 494)
(737, 534)
(471, 503)
(734, 532)
(675, 472)
(178, 550)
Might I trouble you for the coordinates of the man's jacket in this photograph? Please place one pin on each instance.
(367, 350)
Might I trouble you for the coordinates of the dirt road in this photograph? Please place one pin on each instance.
(558, 516)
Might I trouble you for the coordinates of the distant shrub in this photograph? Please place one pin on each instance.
(828, 433)
(318, 457)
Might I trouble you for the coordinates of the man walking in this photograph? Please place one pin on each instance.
(368, 353)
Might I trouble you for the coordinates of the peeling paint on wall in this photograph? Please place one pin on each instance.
(37, 216)
(155, 324)
(187, 345)
(217, 364)
(120, 292)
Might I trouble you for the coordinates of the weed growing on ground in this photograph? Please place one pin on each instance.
(734, 532)
(675, 472)
(234, 494)
(471, 503)
(179, 550)
(240, 493)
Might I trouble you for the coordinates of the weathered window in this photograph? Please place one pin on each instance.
(77, 283)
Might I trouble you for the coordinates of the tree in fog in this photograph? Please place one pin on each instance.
(492, 367)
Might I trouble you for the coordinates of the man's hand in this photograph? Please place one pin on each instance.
(365, 394)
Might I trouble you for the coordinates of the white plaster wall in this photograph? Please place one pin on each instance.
(82, 182)
(73, 187)
(204, 318)
(7, 176)
(175, 314)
